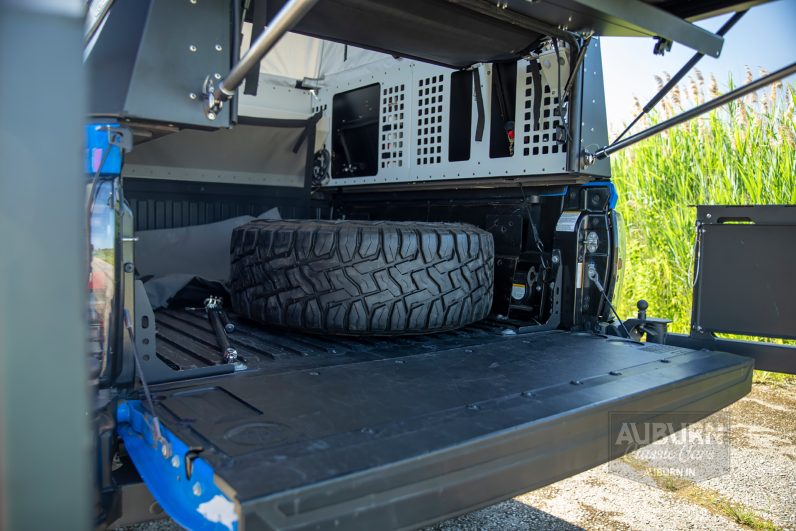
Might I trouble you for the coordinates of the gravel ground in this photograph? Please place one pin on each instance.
(758, 492)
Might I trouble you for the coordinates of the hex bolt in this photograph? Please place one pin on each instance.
(555, 259)
(197, 489)
(709, 216)
(192, 48)
(211, 116)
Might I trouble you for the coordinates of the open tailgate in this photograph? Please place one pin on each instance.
(395, 436)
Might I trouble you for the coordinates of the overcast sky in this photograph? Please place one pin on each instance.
(765, 37)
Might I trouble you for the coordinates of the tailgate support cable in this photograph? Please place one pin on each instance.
(128, 324)
(679, 75)
(591, 157)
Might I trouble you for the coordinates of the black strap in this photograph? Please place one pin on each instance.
(536, 76)
(259, 21)
(479, 103)
(311, 122)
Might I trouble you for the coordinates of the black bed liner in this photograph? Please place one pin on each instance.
(402, 434)
(186, 341)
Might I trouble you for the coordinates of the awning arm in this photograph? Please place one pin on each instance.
(591, 157)
(679, 75)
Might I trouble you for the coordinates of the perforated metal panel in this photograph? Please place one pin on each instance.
(415, 120)
(393, 113)
(539, 134)
(430, 101)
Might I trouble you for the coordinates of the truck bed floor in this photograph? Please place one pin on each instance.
(185, 340)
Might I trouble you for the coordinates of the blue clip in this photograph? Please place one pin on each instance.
(104, 141)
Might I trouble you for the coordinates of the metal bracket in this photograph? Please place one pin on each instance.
(155, 369)
(516, 327)
(212, 104)
(662, 45)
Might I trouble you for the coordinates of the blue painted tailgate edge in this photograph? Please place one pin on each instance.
(195, 503)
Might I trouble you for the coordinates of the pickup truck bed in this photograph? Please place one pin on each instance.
(322, 432)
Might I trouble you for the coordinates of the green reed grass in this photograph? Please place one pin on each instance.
(744, 153)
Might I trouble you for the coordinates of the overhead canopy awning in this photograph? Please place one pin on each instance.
(458, 33)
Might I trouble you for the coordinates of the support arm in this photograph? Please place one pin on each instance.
(216, 94)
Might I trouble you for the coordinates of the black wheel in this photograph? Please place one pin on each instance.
(362, 277)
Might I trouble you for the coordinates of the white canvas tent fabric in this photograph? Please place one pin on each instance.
(297, 56)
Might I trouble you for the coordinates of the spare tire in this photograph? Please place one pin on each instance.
(377, 278)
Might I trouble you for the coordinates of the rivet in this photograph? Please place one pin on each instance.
(218, 48)
(211, 116)
(165, 450)
(175, 462)
(192, 95)
(197, 489)
(193, 1)
(192, 48)
(217, 75)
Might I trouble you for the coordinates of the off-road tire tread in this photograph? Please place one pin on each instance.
(362, 277)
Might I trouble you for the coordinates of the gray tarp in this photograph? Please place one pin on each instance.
(173, 257)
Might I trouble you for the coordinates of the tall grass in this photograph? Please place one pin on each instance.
(744, 153)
